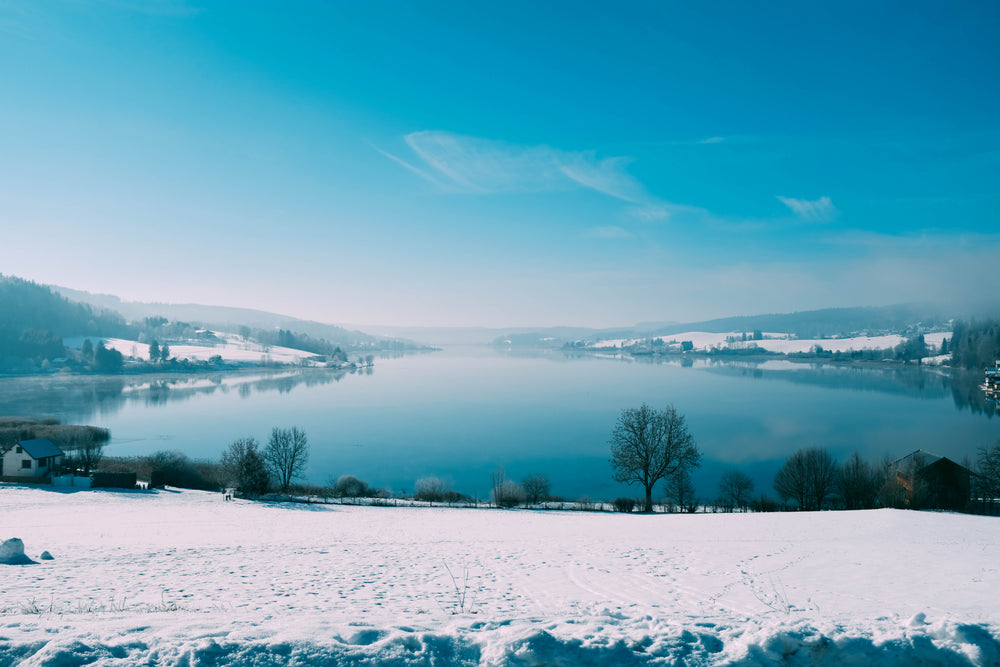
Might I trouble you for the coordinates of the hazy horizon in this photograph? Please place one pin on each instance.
(517, 165)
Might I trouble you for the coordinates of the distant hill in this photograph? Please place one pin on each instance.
(34, 320)
(475, 335)
(826, 322)
(224, 318)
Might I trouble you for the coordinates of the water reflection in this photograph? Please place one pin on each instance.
(929, 382)
(82, 398)
(460, 413)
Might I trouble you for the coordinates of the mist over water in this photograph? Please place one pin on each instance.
(461, 413)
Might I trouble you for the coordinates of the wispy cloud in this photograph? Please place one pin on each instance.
(409, 167)
(653, 213)
(817, 210)
(486, 166)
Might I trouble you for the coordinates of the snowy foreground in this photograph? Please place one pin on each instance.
(183, 578)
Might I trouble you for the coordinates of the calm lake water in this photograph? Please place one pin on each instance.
(460, 413)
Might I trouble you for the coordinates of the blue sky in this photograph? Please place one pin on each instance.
(501, 164)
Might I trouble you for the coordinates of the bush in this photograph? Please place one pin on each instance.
(765, 504)
(435, 490)
(624, 505)
(349, 486)
(508, 494)
(243, 466)
(176, 469)
(536, 488)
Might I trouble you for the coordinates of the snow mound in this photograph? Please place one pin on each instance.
(515, 645)
(12, 553)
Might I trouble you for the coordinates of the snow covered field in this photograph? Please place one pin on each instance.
(778, 342)
(231, 348)
(183, 578)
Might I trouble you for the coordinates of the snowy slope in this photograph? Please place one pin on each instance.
(183, 578)
(231, 348)
(776, 342)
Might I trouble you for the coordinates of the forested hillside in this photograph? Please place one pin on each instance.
(975, 344)
(825, 323)
(34, 320)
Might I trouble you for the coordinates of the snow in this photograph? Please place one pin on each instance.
(831, 344)
(182, 578)
(776, 342)
(231, 348)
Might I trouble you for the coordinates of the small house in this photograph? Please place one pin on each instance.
(929, 481)
(31, 458)
(992, 381)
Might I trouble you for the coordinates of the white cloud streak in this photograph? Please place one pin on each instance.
(485, 166)
(409, 167)
(817, 210)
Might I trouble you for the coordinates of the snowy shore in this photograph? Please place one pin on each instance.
(183, 578)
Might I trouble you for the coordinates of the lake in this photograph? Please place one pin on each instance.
(460, 413)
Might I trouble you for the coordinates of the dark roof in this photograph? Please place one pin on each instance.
(925, 459)
(40, 448)
(919, 456)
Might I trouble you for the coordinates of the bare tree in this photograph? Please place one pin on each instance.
(859, 483)
(536, 488)
(430, 489)
(505, 492)
(680, 491)
(807, 477)
(648, 445)
(987, 481)
(84, 450)
(735, 488)
(790, 481)
(286, 454)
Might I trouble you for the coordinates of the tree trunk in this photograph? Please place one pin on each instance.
(649, 499)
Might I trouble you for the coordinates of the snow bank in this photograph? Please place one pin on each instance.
(182, 578)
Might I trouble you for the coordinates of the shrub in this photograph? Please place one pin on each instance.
(349, 486)
(625, 505)
(508, 494)
(243, 466)
(765, 504)
(176, 469)
(430, 489)
(536, 488)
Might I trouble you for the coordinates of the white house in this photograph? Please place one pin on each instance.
(31, 458)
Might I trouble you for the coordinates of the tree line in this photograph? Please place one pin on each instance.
(35, 319)
(650, 446)
(975, 345)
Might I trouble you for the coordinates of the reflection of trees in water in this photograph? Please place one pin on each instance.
(78, 398)
(968, 393)
(903, 380)
(934, 382)
(965, 387)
